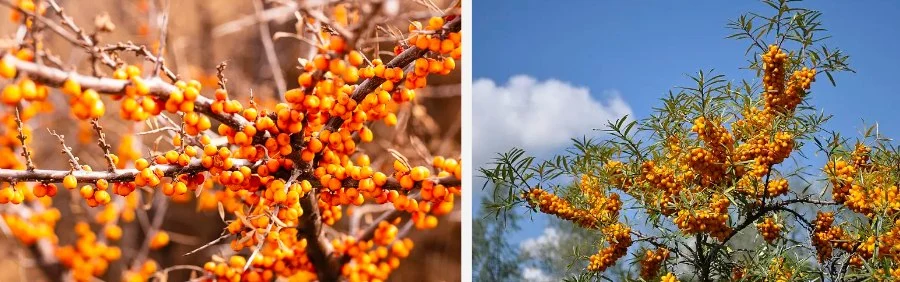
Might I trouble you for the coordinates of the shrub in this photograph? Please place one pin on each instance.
(716, 184)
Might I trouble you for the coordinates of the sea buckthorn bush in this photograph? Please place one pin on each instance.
(731, 179)
(297, 189)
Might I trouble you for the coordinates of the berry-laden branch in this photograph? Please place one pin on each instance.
(83, 176)
(195, 166)
(404, 59)
(54, 77)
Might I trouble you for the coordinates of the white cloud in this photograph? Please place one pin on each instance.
(535, 275)
(539, 116)
(534, 247)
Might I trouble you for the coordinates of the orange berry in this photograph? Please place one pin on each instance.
(102, 197)
(355, 58)
(51, 190)
(7, 70)
(113, 232)
(435, 23)
(28, 89)
(379, 178)
(160, 239)
(12, 94)
(305, 80)
(419, 173)
(70, 182)
(39, 190)
(406, 182)
(320, 62)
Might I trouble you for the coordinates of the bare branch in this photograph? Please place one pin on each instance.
(101, 141)
(266, 37)
(25, 153)
(66, 150)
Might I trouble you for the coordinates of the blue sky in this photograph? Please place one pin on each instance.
(638, 50)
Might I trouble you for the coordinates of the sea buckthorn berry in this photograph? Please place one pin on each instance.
(419, 173)
(12, 94)
(102, 197)
(355, 58)
(160, 239)
(320, 62)
(70, 182)
(669, 277)
(71, 87)
(435, 23)
(28, 89)
(113, 232)
(7, 70)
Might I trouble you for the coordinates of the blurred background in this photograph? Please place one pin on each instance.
(200, 36)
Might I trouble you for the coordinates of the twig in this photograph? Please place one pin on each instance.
(260, 244)
(163, 274)
(70, 23)
(127, 175)
(273, 14)
(358, 213)
(101, 141)
(158, 216)
(220, 74)
(343, 32)
(266, 37)
(140, 50)
(158, 130)
(213, 242)
(25, 153)
(61, 31)
(164, 29)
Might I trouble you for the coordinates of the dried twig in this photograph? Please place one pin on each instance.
(164, 29)
(25, 153)
(66, 150)
(161, 205)
(213, 242)
(101, 141)
(220, 74)
(142, 51)
(266, 37)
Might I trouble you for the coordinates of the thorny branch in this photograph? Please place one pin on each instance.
(101, 141)
(29, 164)
(66, 150)
(142, 51)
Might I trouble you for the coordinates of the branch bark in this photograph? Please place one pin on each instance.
(327, 267)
